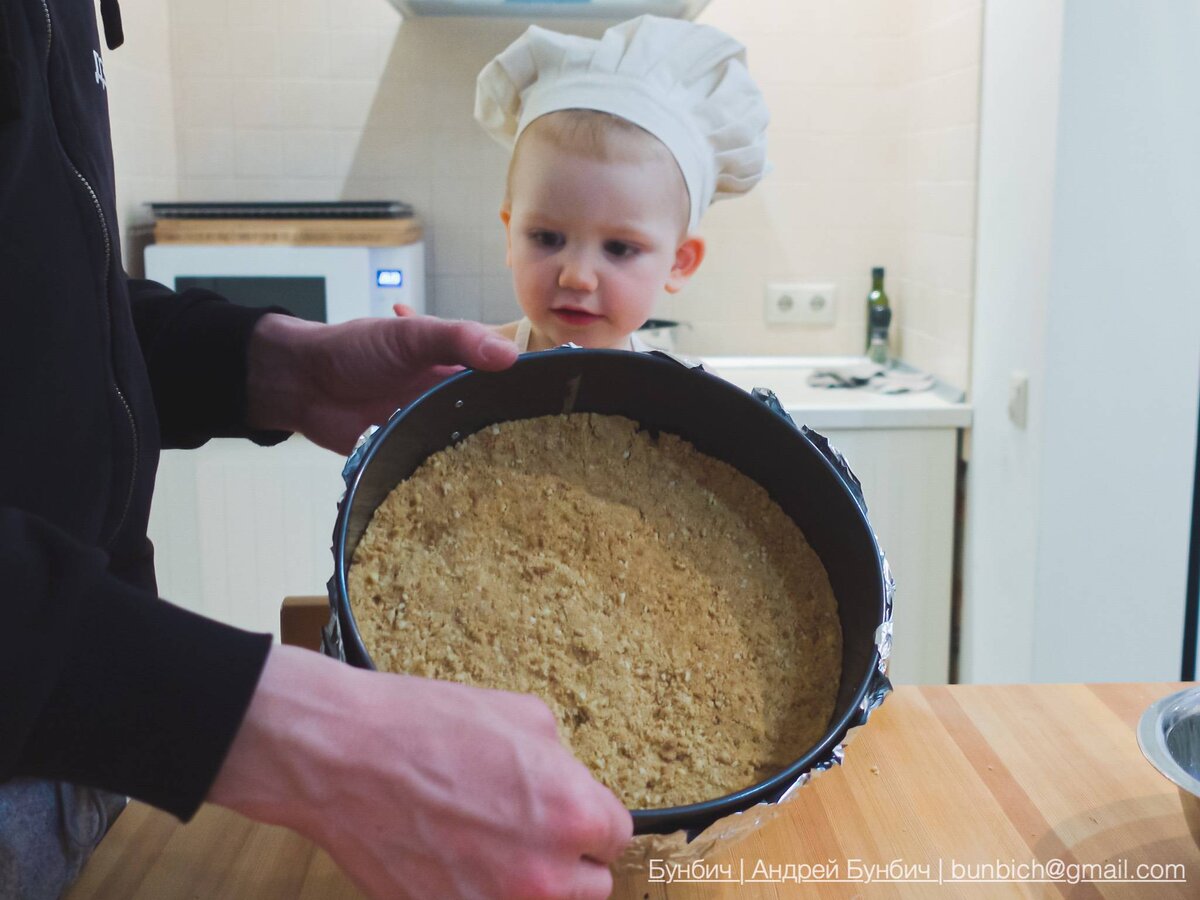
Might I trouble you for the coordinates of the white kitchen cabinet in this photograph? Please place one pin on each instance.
(237, 527)
(908, 481)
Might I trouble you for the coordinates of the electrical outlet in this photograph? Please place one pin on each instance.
(801, 304)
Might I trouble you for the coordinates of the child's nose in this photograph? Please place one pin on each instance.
(578, 274)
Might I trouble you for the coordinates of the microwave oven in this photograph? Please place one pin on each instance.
(320, 283)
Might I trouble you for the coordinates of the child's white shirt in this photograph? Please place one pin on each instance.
(524, 327)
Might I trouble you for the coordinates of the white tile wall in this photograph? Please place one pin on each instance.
(205, 102)
(206, 152)
(936, 257)
(142, 110)
(874, 111)
(873, 137)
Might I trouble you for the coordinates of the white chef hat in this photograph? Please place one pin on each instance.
(685, 83)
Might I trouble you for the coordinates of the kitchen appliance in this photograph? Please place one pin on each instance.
(799, 469)
(327, 262)
(661, 334)
(617, 10)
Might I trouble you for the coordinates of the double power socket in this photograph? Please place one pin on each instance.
(801, 304)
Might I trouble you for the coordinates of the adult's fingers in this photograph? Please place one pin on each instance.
(591, 881)
(591, 821)
(426, 341)
(608, 829)
(533, 714)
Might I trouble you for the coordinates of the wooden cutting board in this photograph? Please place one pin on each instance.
(290, 232)
(941, 776)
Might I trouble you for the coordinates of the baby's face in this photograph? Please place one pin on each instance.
(593, 244)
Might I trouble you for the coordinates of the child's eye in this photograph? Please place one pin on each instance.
(550, 239)
(620, 249)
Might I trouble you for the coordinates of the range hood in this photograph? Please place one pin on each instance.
(617, 10)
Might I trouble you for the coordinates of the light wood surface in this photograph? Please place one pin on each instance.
(966, 774)
(301, 619)
(290, 232)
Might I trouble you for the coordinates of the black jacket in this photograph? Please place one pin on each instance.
(100, 682)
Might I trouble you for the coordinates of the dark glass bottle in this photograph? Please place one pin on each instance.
(877, 301)
(877, 337)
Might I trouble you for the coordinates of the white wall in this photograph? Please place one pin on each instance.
(874, 107)
(273, 96)
(935, 261)
(1088, 261)
(142, 112)
(1019, 120)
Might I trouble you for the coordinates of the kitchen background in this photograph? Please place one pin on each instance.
(874, 108)
(1024, 169)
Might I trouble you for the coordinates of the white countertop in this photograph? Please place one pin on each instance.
(787, 376)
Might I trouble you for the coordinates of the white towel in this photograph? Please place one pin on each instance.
(871, 377)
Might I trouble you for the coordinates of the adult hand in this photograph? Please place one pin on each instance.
(330, 382)
(422, 788)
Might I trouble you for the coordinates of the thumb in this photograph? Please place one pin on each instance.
(422, 341)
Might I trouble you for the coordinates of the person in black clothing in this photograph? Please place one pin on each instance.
(103, 685)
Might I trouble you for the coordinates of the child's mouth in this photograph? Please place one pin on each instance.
(575, 316)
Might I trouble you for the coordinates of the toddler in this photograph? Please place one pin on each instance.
(619, 145)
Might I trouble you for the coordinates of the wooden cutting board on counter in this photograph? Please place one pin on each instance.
(290, 232)
(942, 782)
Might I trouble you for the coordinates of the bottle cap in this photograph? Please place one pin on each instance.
(877, 272)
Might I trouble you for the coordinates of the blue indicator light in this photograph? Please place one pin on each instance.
(390, 278)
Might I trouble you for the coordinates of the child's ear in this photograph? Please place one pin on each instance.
(506, 218)
(688, 257)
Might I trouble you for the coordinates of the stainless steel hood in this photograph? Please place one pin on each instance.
(617, 10)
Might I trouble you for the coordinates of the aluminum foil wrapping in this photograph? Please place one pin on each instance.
(682, 846)
(331, 634)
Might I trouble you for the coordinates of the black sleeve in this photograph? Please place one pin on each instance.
(118, 689)
(195, 345)
(10, 100)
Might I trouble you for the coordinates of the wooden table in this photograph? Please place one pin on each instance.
(940, 776)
